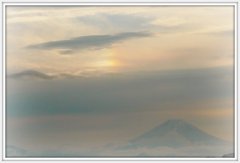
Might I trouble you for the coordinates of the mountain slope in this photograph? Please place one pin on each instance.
(175, 133)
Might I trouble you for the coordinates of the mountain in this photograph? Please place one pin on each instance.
(175, 133)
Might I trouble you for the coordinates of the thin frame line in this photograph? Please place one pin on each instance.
(97, 4)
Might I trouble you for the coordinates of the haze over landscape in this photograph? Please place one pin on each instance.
(120, 81)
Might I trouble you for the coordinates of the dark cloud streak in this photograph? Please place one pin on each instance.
(30, 74)
(89, 41)
(34, 74)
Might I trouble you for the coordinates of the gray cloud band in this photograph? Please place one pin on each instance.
(90, 41)
(162, 90)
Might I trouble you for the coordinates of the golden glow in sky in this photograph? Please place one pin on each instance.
(118, 37)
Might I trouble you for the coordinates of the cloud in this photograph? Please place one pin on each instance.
(189, 151)
(125, 22)
(30, 74)
(124, 93)
(217, 31)
(88, 42)
(66, 52)
(104, 151)
(117, 21)
(226, 32)
(33, 74)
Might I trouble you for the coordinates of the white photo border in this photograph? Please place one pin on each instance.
(6, 3)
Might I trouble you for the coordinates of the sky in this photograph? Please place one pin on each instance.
(93, 76)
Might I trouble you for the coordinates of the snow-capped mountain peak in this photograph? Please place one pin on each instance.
(175, 133)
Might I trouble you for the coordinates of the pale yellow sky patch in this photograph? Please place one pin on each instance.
(173, 28)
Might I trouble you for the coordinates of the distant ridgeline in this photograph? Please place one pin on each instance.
(177, 134)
